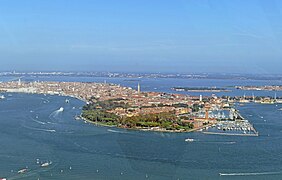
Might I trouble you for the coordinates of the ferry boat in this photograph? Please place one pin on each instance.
(189, 140)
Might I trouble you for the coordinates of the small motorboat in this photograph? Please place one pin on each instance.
(46, 164)
(189, 140)
(22, 171)
(61, 109)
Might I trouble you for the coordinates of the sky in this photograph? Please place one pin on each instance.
(182, 36)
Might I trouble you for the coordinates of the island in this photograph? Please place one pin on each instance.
(109, 104)
(116, 112)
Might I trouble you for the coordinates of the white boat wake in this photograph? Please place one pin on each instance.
(56, 113)
(39, 129)
(52, 123)
(216, 142)
(81, 147)
(115, 131)
(220, 142)
(39, 122)
(250, 174)
(45, 100)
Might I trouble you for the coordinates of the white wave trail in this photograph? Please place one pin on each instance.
(39, 129)
(39, 122)
(79, 146)
(115, 131)
(216, 142)
(45, 100)
(250, 174)
(222, 142)
(51, 123)
(56, 113)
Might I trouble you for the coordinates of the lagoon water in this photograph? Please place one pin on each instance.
(32, 128)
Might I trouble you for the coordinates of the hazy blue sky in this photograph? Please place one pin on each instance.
(142, 35)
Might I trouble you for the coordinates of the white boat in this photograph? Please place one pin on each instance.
(3, 179)
(2, 97)
(46, 164)
(67, 100)
(22, 171)
(189, 140)
(61, 109)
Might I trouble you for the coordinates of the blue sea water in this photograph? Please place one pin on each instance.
(32, 128)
